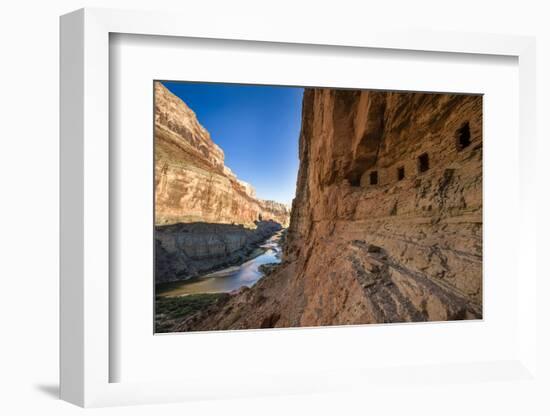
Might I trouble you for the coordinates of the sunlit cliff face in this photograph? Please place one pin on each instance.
(386, 225)
(192, 184)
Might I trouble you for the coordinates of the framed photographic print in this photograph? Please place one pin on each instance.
(281, 212)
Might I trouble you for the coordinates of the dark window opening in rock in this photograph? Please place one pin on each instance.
(259, 217)
(356, 181)
(400, 173)
(423, 163)
(373, 178)
(463, 137)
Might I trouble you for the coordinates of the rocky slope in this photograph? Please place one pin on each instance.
(387, 221)
(192, 184)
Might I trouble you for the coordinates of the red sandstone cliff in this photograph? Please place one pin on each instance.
(386, 225)
(192, 183)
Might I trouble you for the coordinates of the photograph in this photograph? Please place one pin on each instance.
(293, 207)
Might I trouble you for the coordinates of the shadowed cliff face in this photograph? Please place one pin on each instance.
(386, 225)
(192, 184)
(188, 250)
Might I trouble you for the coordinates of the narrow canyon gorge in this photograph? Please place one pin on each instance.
(205, 217)
(386, 225)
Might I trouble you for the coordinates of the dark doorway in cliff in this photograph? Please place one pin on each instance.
(400, 173)
(423, 163)
(373, 178)
(355, 181)
(463, 137)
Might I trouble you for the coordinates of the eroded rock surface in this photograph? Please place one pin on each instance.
(205, 217)
(192, 184)
(386, 225)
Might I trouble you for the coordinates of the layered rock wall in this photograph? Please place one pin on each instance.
(402, 172)
(184, 251)
(192, 184)
(386, 225)
(205, 217)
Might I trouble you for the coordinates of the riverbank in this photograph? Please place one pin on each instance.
(232, 278)
(187, 251)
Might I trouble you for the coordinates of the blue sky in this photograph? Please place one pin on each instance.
(256, 126)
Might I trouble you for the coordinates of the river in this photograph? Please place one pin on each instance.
(231, 278)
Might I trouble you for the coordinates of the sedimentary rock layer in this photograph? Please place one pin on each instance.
(192, 184)
(184, 251)
(386, 225)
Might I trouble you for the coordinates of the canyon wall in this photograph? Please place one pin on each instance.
(386, 225)
(192, 184)
(183, 251)
(205, 217)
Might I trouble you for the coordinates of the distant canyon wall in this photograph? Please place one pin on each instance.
(183, 251)
(192, 183)
(386, 225)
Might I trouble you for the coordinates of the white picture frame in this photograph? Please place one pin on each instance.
(85, 218)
